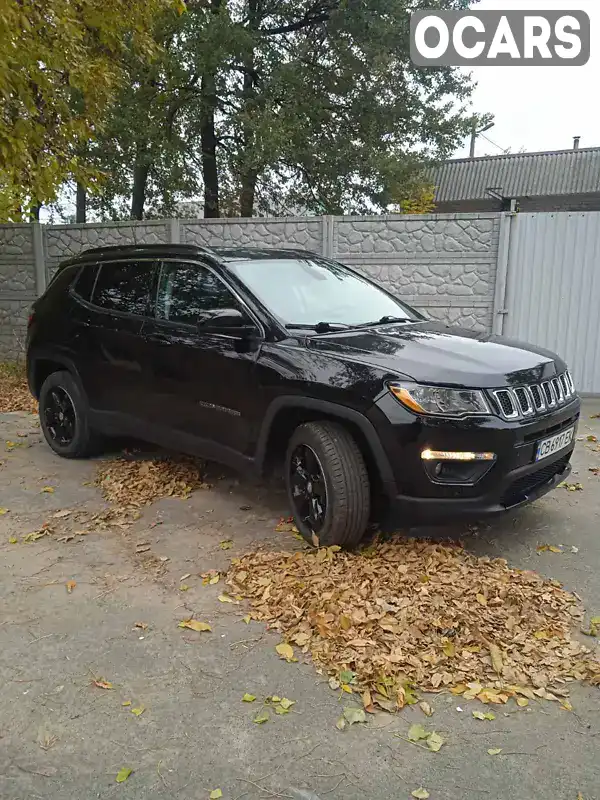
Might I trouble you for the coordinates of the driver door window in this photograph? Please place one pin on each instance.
(190, 293)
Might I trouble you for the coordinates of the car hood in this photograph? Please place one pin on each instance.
(434, 353)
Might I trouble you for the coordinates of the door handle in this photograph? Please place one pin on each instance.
(160, 339)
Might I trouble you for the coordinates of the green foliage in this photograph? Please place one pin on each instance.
(272, 106)
(60, 65)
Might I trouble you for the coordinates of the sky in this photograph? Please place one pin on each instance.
(539, 108)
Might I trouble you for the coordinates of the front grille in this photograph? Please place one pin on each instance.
(519, 490)
(535, 398)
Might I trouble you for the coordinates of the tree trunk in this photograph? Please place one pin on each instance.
(141, 168)
(208, 136)
(249, 173)
(80, 204)
(34, 214)
(247, 192)
(208, 140)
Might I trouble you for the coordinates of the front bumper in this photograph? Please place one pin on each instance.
(515, 491)
(514, 480)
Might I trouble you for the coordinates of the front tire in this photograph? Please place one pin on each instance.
(328, 485)
(64, 416)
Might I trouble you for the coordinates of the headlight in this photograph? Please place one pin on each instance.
(440, 401)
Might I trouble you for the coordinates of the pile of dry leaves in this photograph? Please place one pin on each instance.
(416, 614)
(137, 482)
(14, 392)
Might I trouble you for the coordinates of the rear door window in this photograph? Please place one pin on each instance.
(125, 286)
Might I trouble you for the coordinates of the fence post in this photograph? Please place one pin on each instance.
(327, 235)
(174, 231)
(41, 278)
(502, 270)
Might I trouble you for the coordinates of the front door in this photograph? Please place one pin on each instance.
(203, 384)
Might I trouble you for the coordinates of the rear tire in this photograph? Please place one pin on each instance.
(64, 416)
(328, 485)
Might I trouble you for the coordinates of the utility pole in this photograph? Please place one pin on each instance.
(473, 139)
(475, 133)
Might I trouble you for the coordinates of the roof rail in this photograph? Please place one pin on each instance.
(128, 248)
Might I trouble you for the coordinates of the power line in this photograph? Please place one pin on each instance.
(483, 136)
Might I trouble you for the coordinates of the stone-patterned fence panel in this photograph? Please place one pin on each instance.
(18, 286)
(65, 241)
(445, 265)
(305, 233)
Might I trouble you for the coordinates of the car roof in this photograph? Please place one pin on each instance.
(222, 254)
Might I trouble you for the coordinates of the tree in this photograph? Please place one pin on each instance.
(338, 114)
(60, 67)
(272, 105)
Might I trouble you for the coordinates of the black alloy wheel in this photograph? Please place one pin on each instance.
(59, 416)
(64, 415)
(308, 487)
(328, 484)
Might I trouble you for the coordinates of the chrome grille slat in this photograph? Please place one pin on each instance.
(549, 394)
(537, 395)
(560, 396)
(506, 403)
(526, 401)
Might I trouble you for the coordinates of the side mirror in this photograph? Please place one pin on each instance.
(228, 321)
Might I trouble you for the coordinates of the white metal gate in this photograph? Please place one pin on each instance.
(553, 289)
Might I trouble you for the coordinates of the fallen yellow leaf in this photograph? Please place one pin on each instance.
(493, 751)
(215, 794)
(286, 651)
(449, 649)
(123, 774)
(47, 490)
(248, 698)
(3, 511)
(194, 625)
(70, 585)
(138, 711)
(13, 540)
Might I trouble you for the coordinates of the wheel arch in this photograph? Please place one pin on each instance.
(287, 412)
(43, 363)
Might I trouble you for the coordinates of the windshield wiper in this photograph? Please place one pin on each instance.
(319, 327)
(383, 321)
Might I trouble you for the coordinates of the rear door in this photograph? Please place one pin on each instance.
(111, 351)
(204, 384)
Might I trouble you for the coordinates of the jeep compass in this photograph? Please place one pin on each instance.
(250, 356)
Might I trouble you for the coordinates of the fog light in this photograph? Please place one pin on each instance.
(450, 455)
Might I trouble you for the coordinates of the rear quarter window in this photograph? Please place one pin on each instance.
(84, 283)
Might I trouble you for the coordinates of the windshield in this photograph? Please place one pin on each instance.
(311, 290)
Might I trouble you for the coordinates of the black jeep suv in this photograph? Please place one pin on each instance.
(241, 355)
